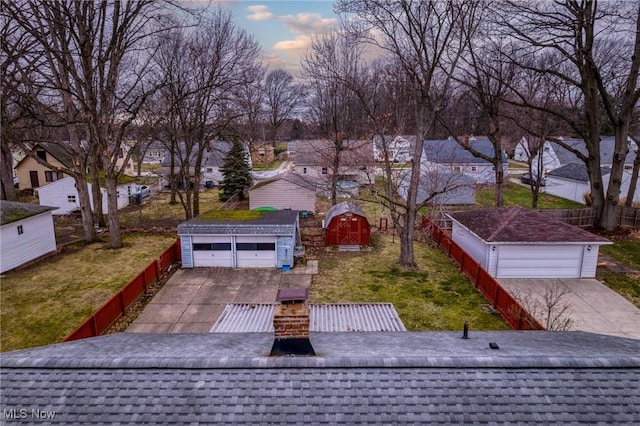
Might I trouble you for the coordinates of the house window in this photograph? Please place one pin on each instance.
(209, 169)
(304, 170)
(71, 198)
(324, 170)
(457, 169)
(474, 169)
(41, 154)
(52, 176)
(20, 230)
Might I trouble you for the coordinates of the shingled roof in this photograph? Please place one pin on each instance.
(368, 378)
(448, 151)
(341, 208)
(288, 176)
(321, 152)
(575, 171)
(515, 224)
(12, 211)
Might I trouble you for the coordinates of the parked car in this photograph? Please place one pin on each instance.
(143, 190)
(526, 179)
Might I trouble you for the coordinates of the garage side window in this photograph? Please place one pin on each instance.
(212, 246)
(255, 246)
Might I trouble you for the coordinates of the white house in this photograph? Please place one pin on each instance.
(284, 191)
(571, 181)
(64, 196)
(399, 148)
(26, 233)
(441, 187)
(514, 242)
(450, 154)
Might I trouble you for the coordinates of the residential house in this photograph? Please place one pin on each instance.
(32, 174)
(155, 153)
(511, 377)
(399, 149)
(63, 195)
(262, 152)
(314, 160)
(449, 154)
(440, 187)
(26, 233)
(265, 241)
(285, 191)
(514, 242)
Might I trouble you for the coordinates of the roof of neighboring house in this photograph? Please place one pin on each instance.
(321, 152)
(255, 222)
(449, 151)
(408, 140)
(575, 171)
(607, 146)
(57, 150)
(213, 157)
(442, 181)
(13, 211)
(287, 176)
(324, 317)
(515, 224)
(344, 207)
(371, 378)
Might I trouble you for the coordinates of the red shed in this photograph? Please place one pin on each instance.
(346, 224)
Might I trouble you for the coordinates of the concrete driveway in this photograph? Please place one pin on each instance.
(591, 305)
(192, 299)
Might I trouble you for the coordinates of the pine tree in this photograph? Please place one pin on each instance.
(236, 172)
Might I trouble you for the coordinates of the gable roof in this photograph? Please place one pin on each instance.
(320, 152)
(341, 208)
(287, 176)
(57, 150)
(371, 378)
(575, 171)
(607, 146)
(442, 180)
(268, 222)
(213, 157)
(449, 151)
(515, 224)
(13, 211)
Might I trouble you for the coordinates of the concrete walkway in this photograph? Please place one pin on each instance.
(192, 300)
(591, 305)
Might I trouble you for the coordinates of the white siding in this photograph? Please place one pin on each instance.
(470, 243)
(212, 258)
(64, 195)
(589, 261)
(566, 188)
(255, 258)
(37, 239)
(283, 195)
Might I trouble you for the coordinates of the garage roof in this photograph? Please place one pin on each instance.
(325, 317)
(370, 378)
(515, 224)
(13, 211)
(276, 222)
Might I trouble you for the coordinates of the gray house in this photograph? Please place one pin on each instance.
(267, 241)
(284, 191)
(533, 377)
(441, 187)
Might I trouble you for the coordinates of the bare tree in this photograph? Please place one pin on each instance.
(550, 307)
(425, 40)
(591, 52)
(282, 96)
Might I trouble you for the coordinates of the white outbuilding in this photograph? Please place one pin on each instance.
(514, 242)
(26, 233)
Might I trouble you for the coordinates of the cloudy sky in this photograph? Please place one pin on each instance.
(284, 28)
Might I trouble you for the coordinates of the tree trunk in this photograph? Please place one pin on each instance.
(634, 180)
(608, 221)
(115, 238)
(85, 209)
(8, 191)
(94, 171)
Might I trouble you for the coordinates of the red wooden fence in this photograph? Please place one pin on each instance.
(117, 306)
(511, 310)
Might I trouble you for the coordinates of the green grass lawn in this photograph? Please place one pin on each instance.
(43, 303)
(518, 195)
(437, 296)
(625, 249)
(267, 166)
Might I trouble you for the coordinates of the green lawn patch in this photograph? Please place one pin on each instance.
(518, 195)
(232, 215)
(625, 249)
(437, 296)
(43, 303)
(267, 166)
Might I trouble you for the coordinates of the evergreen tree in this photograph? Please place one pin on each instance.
(236, 172)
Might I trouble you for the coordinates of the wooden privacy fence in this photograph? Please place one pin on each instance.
(511, 310)
(117, 306)
(626, 217)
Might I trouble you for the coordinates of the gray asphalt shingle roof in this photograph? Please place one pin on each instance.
(12, 211)
(449, 151)
(341, 208)
(575, 171)
(372, 378)
(269, 222)
(321, 152)
(515, 224)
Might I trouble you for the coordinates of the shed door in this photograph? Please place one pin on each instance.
(256, 252)
(209, 251)
(348, 229)
(543, 261)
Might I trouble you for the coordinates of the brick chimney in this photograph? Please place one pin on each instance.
(291, 323)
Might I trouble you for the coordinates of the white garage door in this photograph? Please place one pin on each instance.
(539, 261)
(256, 252)
(209, 251)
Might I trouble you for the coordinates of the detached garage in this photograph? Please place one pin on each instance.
(514, 242)
(262, 239)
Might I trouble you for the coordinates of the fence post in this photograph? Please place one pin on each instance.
(495, 298)
(94, 325)
(123, 308)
